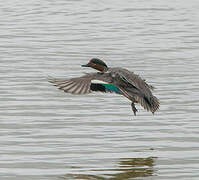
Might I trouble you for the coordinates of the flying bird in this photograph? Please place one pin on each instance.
(111, 80)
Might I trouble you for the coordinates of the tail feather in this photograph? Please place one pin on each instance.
(151, 104)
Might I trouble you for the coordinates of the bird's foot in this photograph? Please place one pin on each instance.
(134, 108)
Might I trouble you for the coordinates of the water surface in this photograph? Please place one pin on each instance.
(47, 134)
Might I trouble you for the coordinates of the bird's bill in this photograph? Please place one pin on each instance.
(85, 65)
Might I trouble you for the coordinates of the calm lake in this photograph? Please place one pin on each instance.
(46, 134)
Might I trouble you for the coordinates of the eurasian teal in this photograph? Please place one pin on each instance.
(113, 80)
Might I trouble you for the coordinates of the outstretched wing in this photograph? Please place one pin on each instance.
(86, 84)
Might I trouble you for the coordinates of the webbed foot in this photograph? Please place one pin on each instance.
(134, 108)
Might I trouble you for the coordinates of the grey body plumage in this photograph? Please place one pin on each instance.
(115, 80)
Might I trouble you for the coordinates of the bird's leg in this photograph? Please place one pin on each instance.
(134, 108)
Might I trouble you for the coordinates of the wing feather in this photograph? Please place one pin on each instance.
(80, 85)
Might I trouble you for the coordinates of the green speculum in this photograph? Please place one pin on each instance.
(111, 87)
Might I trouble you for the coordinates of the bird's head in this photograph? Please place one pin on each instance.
(97, 64)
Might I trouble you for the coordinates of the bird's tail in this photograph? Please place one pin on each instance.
(150, 103)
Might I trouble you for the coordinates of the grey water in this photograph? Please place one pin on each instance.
(48, 134)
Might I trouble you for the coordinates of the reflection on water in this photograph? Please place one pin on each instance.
(128, 168)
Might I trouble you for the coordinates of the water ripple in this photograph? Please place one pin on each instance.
(53, 135)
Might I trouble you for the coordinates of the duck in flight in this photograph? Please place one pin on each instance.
(111, 80)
